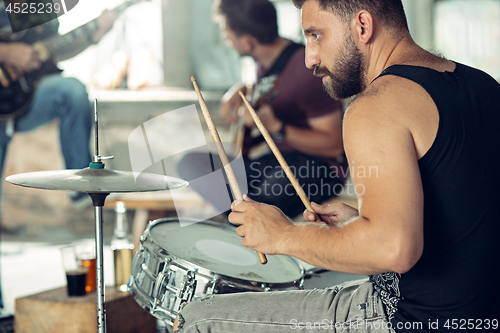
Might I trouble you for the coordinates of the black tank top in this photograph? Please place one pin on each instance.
(456, 278)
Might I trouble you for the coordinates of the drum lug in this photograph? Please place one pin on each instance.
(163, 278)
(167, 262)
(265, 287)
(159, 280)
(188, 287)
(140, 250)
(210, 288)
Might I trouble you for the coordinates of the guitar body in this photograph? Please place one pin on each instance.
(246, 143)
(264, 91)
(16, 91)
(261, 93)
(16, 97)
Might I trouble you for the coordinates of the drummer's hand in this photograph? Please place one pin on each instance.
(230, 104)
(262, 227)
(331, 214)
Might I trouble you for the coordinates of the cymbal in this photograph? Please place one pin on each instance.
(95, 181)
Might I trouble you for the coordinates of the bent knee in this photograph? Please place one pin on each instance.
(178, 323)
(74, 87)
(196, 311)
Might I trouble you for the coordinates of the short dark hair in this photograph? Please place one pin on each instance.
(390, 12)
(257, 18)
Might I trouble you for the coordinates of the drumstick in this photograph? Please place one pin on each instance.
(220, 149)
(279, 156)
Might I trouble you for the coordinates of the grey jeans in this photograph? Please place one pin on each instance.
(351, 307)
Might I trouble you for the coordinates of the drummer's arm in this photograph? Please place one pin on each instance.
(387, 235)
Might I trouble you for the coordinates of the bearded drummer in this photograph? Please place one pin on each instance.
(426, 231)
(291, 102)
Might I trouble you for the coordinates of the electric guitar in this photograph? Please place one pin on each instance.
(17, 89)
(263, 92)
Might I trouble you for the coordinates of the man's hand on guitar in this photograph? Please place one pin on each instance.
(22, 57)
(231, 103)
(269, 119)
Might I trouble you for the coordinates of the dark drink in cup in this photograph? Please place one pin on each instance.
(77, 281)
(76, 272)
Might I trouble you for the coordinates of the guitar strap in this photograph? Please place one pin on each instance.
(282, 60)
(266, 89)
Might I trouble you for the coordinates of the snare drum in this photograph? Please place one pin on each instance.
(175, 265)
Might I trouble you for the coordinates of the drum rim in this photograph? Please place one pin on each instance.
(209, 273)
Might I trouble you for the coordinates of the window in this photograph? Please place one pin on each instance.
(468, 31)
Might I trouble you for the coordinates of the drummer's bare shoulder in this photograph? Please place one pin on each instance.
(394, 98)
(393, 102)
(378, 118)
(380, 100)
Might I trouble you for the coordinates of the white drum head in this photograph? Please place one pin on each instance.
(217, 248)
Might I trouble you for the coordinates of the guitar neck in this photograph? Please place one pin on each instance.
(57, 43)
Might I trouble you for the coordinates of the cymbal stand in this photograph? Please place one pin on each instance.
(95, 181)
(98, 202)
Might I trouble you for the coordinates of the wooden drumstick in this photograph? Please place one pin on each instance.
(220, 149)
(279, 156)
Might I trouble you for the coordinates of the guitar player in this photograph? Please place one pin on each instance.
(304, 121)
(55, 97)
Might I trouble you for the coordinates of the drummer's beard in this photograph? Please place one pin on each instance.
(347, 77)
